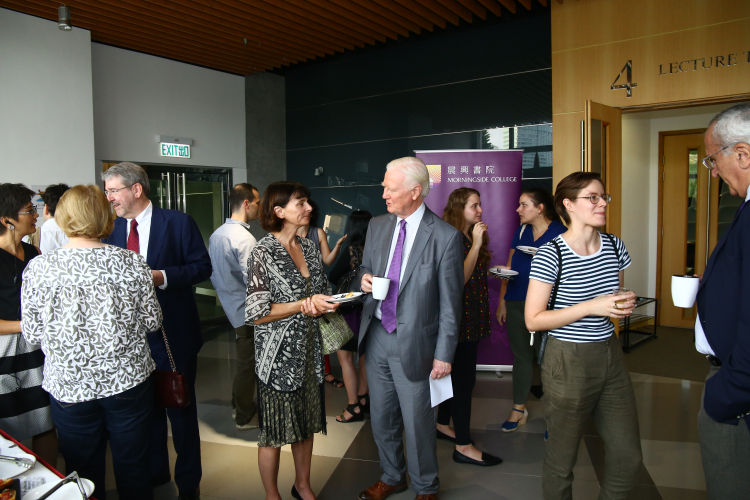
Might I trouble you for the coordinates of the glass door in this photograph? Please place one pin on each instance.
(201, 193)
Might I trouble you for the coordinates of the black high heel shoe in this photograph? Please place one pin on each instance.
(365, 408)
(295, 493)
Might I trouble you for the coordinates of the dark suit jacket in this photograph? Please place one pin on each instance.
(176, 247)
(724, 309)
(429, 300)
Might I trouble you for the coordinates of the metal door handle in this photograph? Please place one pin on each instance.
(184, 195)
(169, 190)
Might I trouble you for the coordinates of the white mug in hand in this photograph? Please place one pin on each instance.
(684, 290)
(380, 287)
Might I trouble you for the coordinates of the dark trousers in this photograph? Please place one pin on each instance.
(125, 420)
(184, 422)
(243, 389)
(523, 352)
(463, 378)
(725, 451)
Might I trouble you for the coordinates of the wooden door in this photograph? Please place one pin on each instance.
(686, 236)
(603, 139)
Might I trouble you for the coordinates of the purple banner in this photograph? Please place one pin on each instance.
(496, 174)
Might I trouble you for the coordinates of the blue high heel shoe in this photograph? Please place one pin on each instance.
(509, 426)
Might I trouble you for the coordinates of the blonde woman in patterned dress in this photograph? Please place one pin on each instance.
(90, 306)
(464, 212)
(287, 290)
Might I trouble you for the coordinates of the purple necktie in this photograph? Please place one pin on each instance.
(388, 307)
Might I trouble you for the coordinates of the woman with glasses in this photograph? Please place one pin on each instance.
(90, 305)
(583, 370)
(24, 405)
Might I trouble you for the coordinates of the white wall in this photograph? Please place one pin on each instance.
(46, 109)
(138, 97)
(640, 186)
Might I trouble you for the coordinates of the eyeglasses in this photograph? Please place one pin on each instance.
(113, 191)
(709, 162)
(32, 210)
(594, 198)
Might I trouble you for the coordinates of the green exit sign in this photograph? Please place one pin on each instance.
(175, 150)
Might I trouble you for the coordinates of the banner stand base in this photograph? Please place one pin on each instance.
(494, 368)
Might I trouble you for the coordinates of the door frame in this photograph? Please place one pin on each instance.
(660, 214)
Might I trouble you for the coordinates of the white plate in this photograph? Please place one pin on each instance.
(9, 470)
(67, 492)
(504, 272)
(342, 297)
(528, 250)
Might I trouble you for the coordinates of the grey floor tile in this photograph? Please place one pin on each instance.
(363, 447)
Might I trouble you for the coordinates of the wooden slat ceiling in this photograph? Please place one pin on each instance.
(250, 36)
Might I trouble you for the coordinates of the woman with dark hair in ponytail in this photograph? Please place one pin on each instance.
(540, 223)
(464, 212)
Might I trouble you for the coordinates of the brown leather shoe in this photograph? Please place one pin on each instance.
(431, 496)
(381, 490)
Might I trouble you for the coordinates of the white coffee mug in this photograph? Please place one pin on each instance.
(684, 290)
(380, 287)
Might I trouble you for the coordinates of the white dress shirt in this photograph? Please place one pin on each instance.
(701, 342)
(51, 236)
(412, 224)
(144, 231)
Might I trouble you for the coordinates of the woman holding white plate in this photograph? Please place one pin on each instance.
(540, 223)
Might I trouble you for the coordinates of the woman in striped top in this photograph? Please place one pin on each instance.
(583, 371)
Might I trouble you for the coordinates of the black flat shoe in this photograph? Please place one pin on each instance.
(487, 459)
(295, 493)
(445, 437)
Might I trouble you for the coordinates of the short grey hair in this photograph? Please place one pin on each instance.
(130, 173)
(732, 126)
(415, 171)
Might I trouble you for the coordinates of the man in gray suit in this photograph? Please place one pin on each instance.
(412, 334)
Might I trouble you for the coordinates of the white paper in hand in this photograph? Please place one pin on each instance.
(440, 389)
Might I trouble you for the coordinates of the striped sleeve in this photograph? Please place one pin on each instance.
(545, 264)
(624, 255)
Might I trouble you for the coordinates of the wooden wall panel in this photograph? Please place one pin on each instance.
(566, 149)
(582, 23)
(588, 73)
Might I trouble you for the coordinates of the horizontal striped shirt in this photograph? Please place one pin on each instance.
(584, 277)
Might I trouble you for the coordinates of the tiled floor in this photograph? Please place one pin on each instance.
(346, 460)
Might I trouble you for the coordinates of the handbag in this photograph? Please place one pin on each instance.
(170, 387)
(334, 332)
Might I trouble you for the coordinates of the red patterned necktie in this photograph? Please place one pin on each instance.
(134, 243)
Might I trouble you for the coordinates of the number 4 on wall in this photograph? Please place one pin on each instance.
(628, 70)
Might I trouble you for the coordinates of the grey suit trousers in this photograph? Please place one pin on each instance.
(725, 452)
(400, 409)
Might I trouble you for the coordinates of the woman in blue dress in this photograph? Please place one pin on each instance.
(540, 223)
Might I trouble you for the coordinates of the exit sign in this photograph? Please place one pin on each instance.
(175, 150)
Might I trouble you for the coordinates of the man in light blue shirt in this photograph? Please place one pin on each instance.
(229, 248)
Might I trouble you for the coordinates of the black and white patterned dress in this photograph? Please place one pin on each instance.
(288, 352)
(24, 405)
(90, 309)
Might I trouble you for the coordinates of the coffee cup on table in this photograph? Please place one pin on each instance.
(380, 287)
(684, 290)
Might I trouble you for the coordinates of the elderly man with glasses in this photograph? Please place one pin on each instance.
(722, 329)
